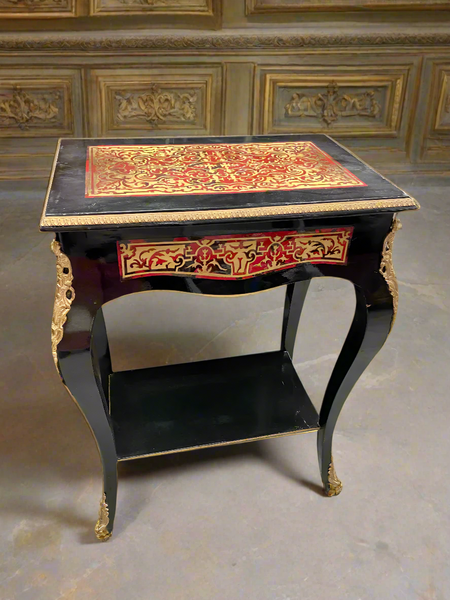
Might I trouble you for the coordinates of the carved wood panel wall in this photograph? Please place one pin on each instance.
(292, 6)
(436, 133)
(37, 8)
(127, 7)
(390, 106)
(347, 102)
(441, 122)
(159, 101)
(39, 103)
(370, 108)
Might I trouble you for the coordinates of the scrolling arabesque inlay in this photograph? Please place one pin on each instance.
(156, 106)
(233, 257)
(64, 296)
(211, 168)
(332, 105)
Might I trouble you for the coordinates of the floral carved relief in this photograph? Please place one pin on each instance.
(26, 109)
(156, 106)
(333, 105)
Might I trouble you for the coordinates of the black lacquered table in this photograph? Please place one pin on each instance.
(220, 216)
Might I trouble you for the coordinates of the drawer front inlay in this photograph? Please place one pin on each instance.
(233, 256)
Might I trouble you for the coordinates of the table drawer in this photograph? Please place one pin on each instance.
(233, 256)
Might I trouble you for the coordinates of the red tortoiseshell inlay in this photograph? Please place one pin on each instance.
(211, 169)
(233, 256)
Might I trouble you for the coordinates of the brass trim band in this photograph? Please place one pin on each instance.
(215, 444)
(297, 210)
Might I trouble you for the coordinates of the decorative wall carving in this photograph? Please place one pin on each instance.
(36, 8)
(156, 106)
(26, 109)
(333, 105)
(35, 107)
(435, 113)
(173, 7)
(164, 99)
(30, 4)
(280, 6)
(442, 111)
(351, 102)
(100, 42)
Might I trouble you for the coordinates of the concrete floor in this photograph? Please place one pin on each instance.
(241, 522)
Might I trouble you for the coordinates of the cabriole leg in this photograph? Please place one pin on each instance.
(293, 306)
(81, 354)
(368, 332)
(376, 307)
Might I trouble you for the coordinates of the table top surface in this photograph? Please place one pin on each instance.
(127, 182)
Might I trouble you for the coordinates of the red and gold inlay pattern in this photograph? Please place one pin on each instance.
(211, 169)
(233, 256)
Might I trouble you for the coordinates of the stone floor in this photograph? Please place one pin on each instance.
(241, 522)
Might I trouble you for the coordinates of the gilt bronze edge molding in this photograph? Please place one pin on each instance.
(387, 266)
(228, 42)
(64, 296)
(292, 210)
(216, 444)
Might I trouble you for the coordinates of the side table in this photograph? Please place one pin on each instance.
(220, 216)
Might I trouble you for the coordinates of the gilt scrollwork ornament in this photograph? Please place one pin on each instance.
(334, 483)
(387, 266)
(64, 296)
(101, 527)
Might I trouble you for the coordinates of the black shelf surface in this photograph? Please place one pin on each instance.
(231, 400)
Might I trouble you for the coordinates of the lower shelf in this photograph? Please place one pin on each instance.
(208, 403)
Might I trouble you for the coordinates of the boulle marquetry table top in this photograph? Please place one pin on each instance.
(220, 216)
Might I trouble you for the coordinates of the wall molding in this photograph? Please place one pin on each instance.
(102, 41)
